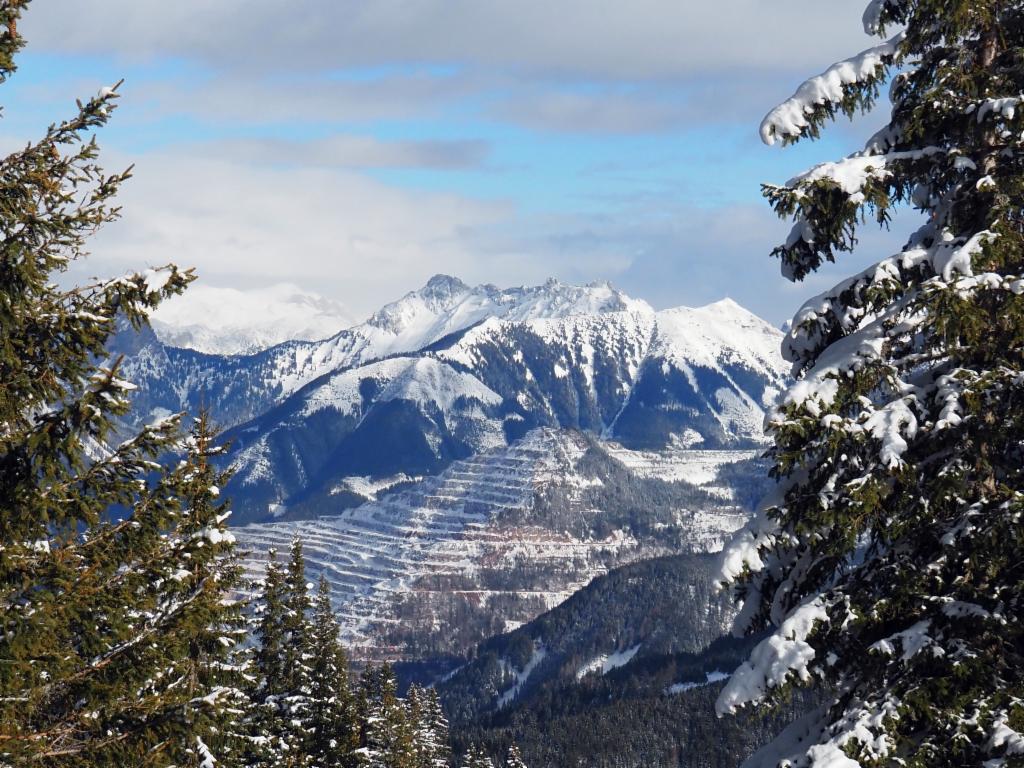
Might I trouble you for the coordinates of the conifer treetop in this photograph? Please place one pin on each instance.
(887, 559)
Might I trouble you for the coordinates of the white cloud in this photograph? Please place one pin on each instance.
(248, 210)
(600, 38)
(336, 232)
(346, 151)
(356, 240)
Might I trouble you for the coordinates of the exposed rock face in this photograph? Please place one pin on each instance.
(495, 540)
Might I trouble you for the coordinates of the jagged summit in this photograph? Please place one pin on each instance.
(446, 304)
(441, 286)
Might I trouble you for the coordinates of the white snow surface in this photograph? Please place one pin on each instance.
(710, 679)
(1005, 737)
(606, 662)
(229, 321)
(423, 380)
(721, 332)
(371, 487)
(445, 305)
(522, 676)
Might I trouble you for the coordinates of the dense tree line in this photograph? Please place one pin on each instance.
(304, 710)
(635, 724)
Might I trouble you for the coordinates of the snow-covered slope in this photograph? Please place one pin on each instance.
(228, 321)
(493, 541)
(647, 379)
(241, 388)
(450, 370)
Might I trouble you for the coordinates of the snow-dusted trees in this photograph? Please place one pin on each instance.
(431, 727)
(272, 693)
(306, 711)
(388, 734)
(115, 629)
(332, 736)
(282, 661)
(514, 759)
(891, 559)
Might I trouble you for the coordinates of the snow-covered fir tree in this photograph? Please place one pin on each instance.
(387, 736)
(198, 566)
(514, 758)
(476, 758)
(294, 700)
(115, 627)
(889, 561)
(271, 685)
(281, 634)
(332, 736)
(431, 727)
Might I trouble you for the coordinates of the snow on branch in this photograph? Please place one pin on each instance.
(872, 18)
(775, 659)
(851, 174)
(819, 388)
(791, 118)
(1005, 738)
(954, 255)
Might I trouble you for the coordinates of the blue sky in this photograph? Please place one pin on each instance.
(356, 148)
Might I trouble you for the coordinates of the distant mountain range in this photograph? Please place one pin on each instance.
(450, 370)
(229, 321)
(464, 463)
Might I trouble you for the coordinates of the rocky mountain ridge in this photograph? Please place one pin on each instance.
(451, 370)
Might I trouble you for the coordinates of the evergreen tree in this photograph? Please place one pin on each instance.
(367, 754)
(333, 737)
(416, 716)
(393, 729)
(272, 680)
(270, 629)
(889, 559)
(294, 700)
(387, 737)
(296, 622)
(200, 569)
(252, 725)
(476, 758)
(432, 735)
(514, 759)
(469, 760)
(114, 627)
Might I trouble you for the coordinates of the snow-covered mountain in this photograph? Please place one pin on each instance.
(239, 388)
(469, 457)
(228, 321)
(450, 370)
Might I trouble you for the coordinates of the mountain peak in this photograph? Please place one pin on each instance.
(444, 285)
(725, 304)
